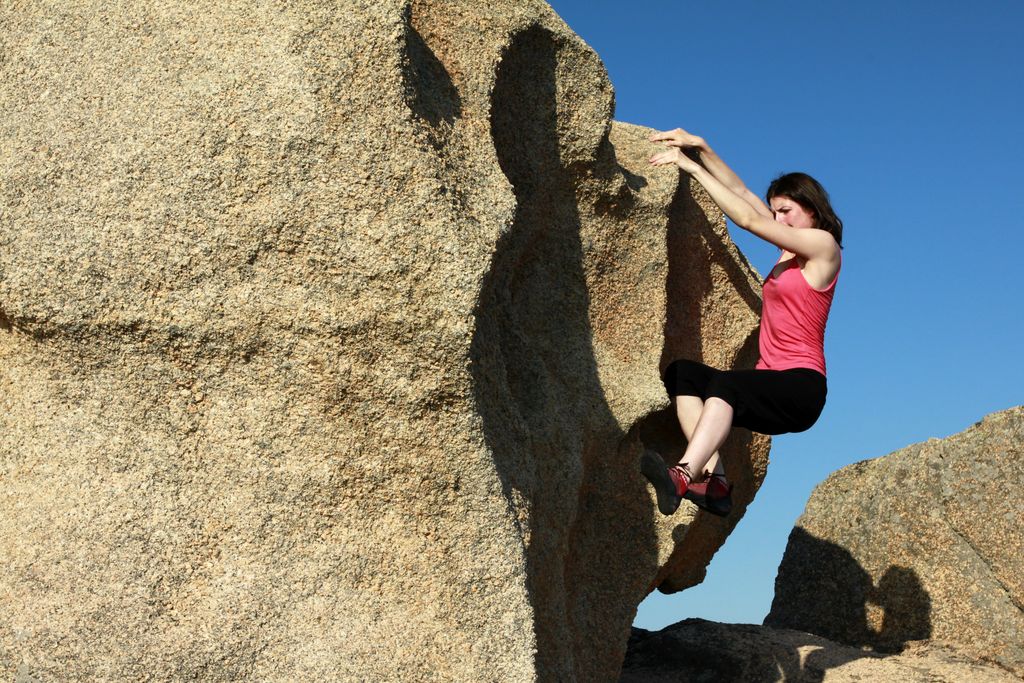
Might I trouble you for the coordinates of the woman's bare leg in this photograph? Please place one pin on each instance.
(706, 434)
(688, 410)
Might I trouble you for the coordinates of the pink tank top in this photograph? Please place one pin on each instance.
(793, 318)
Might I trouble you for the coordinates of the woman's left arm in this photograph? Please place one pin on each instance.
(809, 244)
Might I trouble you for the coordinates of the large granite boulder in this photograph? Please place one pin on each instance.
(330, 338)
(924, 544)
(698, 651)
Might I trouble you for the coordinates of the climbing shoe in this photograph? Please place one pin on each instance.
(713, 495)
(669, 483)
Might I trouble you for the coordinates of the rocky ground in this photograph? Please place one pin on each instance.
(698, 651)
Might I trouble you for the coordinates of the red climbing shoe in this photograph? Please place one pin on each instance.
(714, 495)
(669, 483)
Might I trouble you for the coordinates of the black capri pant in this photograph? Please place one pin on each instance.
(763, 401)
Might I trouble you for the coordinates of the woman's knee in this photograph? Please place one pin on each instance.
(722, 388)
(682, 367)
(719, 405)
(686, 377)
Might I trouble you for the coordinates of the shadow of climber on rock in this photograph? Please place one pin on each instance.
(822, 589)
(906, 608)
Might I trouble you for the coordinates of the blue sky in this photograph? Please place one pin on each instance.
(910, 113)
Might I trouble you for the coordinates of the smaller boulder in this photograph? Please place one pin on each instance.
(926, 543)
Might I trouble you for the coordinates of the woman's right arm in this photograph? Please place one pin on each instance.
(813, 245)
(714, 164)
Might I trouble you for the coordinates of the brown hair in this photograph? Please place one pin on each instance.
(808, 193)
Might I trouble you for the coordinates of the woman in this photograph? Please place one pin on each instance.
(786, 390)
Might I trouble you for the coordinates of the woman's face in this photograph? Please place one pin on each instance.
(790, 213)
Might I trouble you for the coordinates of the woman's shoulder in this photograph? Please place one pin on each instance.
(821, 273)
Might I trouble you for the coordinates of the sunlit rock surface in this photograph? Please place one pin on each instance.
(330, 337)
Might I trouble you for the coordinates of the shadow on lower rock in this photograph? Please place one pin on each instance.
(827, 612)
(822, 589)
(906, 610)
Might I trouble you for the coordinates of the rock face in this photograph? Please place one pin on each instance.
(330, 338)
(697, 651)
(924, 544)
